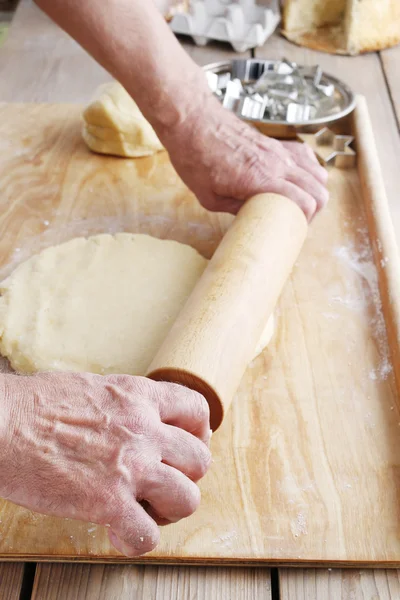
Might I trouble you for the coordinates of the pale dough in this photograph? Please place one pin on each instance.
(113, 124)
(102, 304)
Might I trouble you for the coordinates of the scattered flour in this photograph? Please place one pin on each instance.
(299, 526)
(361, 261)
(226, 539)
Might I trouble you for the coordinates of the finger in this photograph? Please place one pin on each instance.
(264, 142)
(161, 522)
(306, 159)
(304, 200)
(309, 184)
(318, 172)
(229, 205)
(183, 451)
(299, 149)
(221, 204)
(185, 408)
(170, 493)
(133, 532)
(174, 404)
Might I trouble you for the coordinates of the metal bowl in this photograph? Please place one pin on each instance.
(248, 71)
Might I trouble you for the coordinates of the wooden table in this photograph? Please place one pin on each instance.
(39, 63)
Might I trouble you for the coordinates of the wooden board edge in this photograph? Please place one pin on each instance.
(204, 562)
(381, 230)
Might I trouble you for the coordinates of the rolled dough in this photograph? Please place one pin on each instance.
(113, 124)
(102, 304)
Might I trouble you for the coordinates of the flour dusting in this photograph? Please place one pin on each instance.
(361, 261)
(299, 525)
(226, 539)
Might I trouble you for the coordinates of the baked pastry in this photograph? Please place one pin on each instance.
(342, 26)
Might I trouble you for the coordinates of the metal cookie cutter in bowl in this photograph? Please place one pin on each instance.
(280, 97)
(286, 100)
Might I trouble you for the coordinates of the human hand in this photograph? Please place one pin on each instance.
(92, 448)
(225, 162)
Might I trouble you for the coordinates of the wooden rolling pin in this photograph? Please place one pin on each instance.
(215, 335)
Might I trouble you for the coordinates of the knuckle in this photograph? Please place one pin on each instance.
(252, 162)
(209, 203)
(190, 501)
(196, 401)
(310, 209)
(309, 152)
(145, 388)
(204, 460)
(322, 197)
(200, 404)
(132, 385)
(322, 202)
(124, 381)
(144, 421)
(324, 172)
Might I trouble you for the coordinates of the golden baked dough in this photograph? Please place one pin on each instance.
(342, 26)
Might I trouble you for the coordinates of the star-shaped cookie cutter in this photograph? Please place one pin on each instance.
(330, 148)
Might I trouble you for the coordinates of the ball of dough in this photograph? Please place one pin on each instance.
(113, 124)
(103, 304)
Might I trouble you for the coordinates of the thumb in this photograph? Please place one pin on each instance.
(133, 532)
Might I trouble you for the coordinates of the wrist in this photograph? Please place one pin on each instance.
(175, 101)
(198, 112)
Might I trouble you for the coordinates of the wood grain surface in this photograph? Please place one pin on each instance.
(309, 450)
(376, 77)
(322, 584)
(11, 576)
(391, 66)
(111, 582)
(41, 63)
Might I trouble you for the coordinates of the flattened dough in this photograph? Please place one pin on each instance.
(113, 124)
(102, 304)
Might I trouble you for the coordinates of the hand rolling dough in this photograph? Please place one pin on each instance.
(113, 124)
(102, 304)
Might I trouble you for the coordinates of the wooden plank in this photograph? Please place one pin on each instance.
(354, 70)
(391, 60)
(212, 52)
(320, 584)
(106, 582)
(303, 486)
(41, 63)
(11, 576)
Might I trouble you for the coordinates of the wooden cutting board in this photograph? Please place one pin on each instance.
(307, 463)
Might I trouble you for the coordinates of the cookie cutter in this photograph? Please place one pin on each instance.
(296, 97)
(331, 148)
